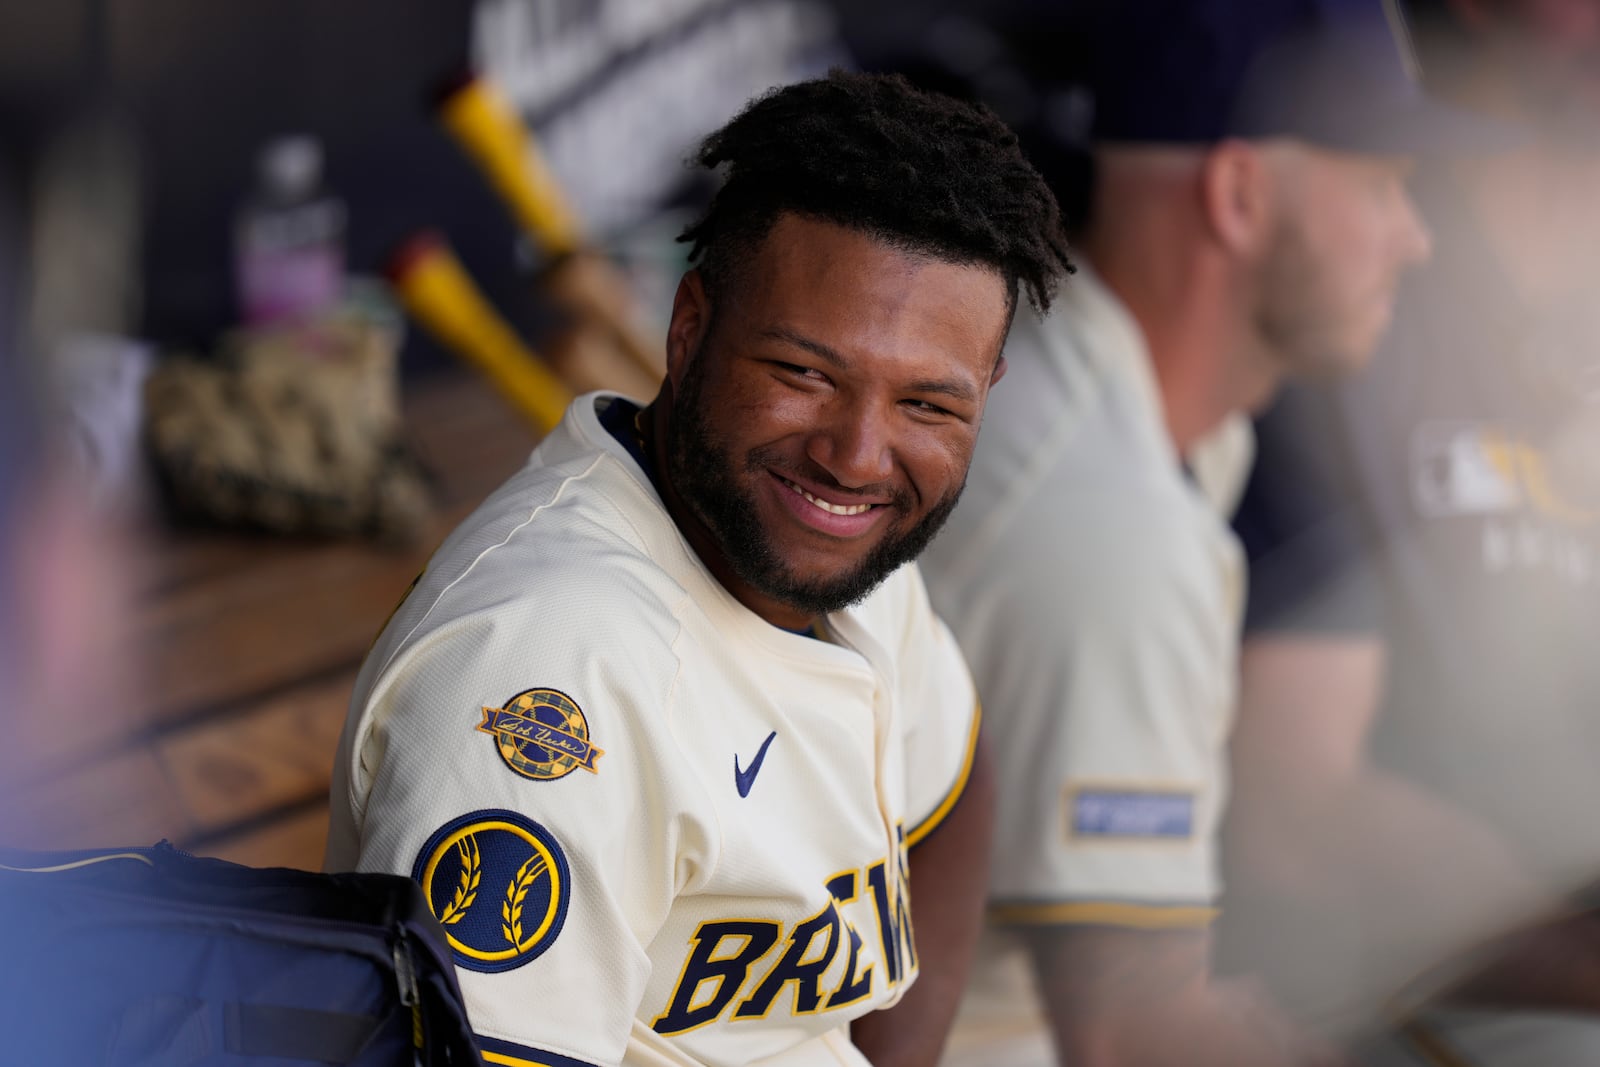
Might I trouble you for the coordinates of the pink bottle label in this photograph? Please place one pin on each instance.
(289, 283)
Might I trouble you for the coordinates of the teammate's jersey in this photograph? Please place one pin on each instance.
(657, 829)
(1095, 591)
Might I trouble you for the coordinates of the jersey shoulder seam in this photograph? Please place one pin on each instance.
(554, 499)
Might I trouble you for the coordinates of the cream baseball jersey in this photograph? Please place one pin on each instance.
(1096, 591)
(656, 828)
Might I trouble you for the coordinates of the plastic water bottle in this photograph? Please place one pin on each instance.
(289, 237)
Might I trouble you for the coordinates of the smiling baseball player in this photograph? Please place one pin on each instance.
(667, 727)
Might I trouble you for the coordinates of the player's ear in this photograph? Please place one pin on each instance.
(686, 331)
(999, 371)
(1236, 191)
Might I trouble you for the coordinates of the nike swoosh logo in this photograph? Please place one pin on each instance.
(744, 779)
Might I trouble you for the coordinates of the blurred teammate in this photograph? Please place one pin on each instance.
(63, 571)
(667, 730)
(1249, 222)
(17, 450)
(1416, 745)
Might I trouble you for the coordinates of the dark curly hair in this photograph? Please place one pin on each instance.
(920, 171)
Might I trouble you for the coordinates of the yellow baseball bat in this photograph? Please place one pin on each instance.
(437, 291)
(484, 124)
(583, 281)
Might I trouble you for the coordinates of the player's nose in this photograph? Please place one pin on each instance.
(1414, 239)
(853, 445)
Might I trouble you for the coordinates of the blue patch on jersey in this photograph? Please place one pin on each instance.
(499, 885)
(1132, 813)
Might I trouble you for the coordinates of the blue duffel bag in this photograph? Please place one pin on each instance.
(144, 957)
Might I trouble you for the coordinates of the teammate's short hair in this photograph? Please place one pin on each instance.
(918, 170)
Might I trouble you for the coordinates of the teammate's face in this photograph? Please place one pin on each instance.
(824, 417)
(1346, 231)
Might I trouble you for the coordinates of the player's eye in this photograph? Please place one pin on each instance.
(796, 370)
(928, 409)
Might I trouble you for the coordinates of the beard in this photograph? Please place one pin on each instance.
(705, 475)
(1288, 316)
(1296, 317)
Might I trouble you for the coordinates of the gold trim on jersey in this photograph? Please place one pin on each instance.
(931, 823)
(1106, 913)
(541, 1059)
(512, 1061)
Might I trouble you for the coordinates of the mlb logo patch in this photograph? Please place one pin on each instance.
(1130, 814)
(1463, 469)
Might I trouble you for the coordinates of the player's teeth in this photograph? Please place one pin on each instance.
(832, 509)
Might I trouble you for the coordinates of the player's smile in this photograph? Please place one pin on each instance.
(823, 416)
(834, 513)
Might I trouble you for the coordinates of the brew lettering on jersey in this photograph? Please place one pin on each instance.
(724, 954)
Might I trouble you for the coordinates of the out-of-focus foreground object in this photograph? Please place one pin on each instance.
(147, 955)
(1415, 754)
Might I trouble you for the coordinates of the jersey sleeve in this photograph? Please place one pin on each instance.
(943, 715)
(1107, 679)
(512, 754)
